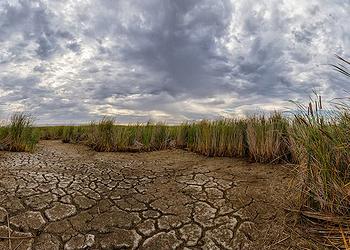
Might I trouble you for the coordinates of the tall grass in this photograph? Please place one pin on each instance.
(19, 134)
(320, 140)
(106, 136)
(74, 134)
(268, 138)
(316, 139)
(101, 136)
(341, 66)
(51, 132)
(324, 146)
(213, 138)
(263, 139)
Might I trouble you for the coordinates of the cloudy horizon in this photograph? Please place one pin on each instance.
(70, 61)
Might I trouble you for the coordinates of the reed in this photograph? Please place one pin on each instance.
(268, 139)
(214, 138)
(324, 152)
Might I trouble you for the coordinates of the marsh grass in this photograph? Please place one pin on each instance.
(74, 134)
(101, 136)
(263, 139)
(268, 139)
(315, 138)
(342, 66)
(345, 238)
(19, 134)
(51, 132)
(323, 144)
(106, 136)
(320, 140)
(213, 138)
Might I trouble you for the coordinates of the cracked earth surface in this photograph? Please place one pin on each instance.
(68, 197)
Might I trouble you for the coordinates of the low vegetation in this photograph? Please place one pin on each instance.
(18, 134)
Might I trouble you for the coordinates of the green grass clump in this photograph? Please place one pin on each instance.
(324, 152)
(154, 136)
(262, 139)
(101, 135)
(214, 138)
(51, 132)
(74, 134)
(67, 134)
(19, 134)
(268, 139)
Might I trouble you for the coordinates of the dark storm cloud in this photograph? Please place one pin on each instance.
(73, 45)
(182, 45)
(166, 59)
(39, 68)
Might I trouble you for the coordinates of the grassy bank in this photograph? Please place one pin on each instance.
(261, 139)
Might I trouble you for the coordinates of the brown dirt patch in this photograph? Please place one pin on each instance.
(69, 197)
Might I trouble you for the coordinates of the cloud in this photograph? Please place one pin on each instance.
(72, 61)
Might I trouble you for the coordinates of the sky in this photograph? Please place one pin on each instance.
(72, 61)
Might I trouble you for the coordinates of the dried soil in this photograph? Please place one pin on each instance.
(69, 197)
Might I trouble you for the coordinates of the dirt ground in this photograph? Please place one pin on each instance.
(69, 197)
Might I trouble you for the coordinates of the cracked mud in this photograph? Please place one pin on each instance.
(68, 197)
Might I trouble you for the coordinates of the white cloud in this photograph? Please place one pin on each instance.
(174, 60)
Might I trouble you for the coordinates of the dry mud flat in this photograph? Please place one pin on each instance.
(68, 197)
